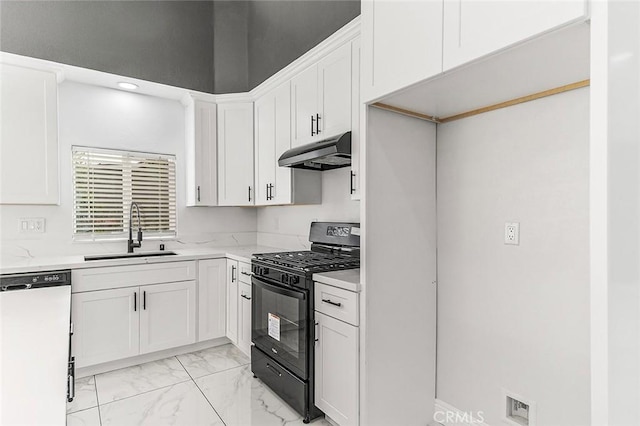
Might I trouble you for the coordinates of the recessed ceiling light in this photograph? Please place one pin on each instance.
(128, 86)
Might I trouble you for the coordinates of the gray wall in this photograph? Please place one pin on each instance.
(230, 53)
(173, 42)
(281, 31)
(169, 42)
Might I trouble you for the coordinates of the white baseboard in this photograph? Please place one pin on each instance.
(155, 356)
(448, 415)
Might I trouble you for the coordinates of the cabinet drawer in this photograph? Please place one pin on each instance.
(245, 272)
(92, 279)
(337, 303)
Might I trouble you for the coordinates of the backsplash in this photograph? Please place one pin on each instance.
(287, 227)
(107, 118)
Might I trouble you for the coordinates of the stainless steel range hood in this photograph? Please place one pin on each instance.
(327, 154)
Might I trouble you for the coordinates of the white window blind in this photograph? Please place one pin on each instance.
(105, 183)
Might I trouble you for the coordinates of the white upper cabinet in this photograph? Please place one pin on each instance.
(358, 127)
(235, 154)
(274, 184)
(334, 91)
(474, 28)
(202, 183)
(304, 103)
(401, 44)
(28, 136)
(321, 98)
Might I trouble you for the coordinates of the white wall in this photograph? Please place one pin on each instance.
(398, 302)
(516, 317)
(107, 118)
(615, 201)
(288, 226)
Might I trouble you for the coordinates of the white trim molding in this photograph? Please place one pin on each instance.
(447, 415)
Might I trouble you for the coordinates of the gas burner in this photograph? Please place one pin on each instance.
(310, 261)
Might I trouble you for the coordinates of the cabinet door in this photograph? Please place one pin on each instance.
(357, 120)
(401, 44)
(273, 138)
(235, 149)
(473, 29)
(204, 190)
(336, 379)
(212, 299)
(304, 107)
(232, 300)
(265, 146)
(106, 325)
(28, 136)
(168, 316)
(281, 193)
(334, 102)
(244, 318)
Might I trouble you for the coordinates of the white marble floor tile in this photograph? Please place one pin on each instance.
(241, 400)
(213, 360)
(181, 404)
(89, 417)
(135, 380)
(85, 396)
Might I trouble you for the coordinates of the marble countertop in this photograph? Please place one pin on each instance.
(37, 264)
(347, 279)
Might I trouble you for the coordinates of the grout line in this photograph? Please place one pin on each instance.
(95, 385)
(205, 396)
(142, 393)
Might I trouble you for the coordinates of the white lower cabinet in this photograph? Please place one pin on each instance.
(168, 316)
(232, 300)
(336, 370)
(106, 325)
(337, 353)
(244, 318)
(125, 322)
(212, 299)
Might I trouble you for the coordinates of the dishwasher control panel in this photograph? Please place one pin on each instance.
(38, 279)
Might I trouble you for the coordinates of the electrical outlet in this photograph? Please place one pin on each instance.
(512, 233)
(32, 225)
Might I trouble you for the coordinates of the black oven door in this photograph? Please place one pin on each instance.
(279, 325)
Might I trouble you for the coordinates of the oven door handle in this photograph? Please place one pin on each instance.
(279, 290)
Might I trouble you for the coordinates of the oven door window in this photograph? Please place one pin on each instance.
(279, 324)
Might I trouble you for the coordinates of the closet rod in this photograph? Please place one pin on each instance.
(516, 101)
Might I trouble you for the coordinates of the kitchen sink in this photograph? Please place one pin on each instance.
(129, 255)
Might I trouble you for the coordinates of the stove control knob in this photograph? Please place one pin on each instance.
(294, 280)
(283, 278)
(265, 271)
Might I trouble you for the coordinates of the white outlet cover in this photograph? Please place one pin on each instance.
(512, 233)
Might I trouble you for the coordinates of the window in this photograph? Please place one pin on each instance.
(105, 183)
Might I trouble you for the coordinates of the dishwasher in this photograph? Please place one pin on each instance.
(36, 366)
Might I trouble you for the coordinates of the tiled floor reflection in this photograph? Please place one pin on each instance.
(210, 387)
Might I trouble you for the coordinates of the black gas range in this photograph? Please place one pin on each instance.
(282, 308)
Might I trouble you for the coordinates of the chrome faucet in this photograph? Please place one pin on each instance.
(130, 244)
